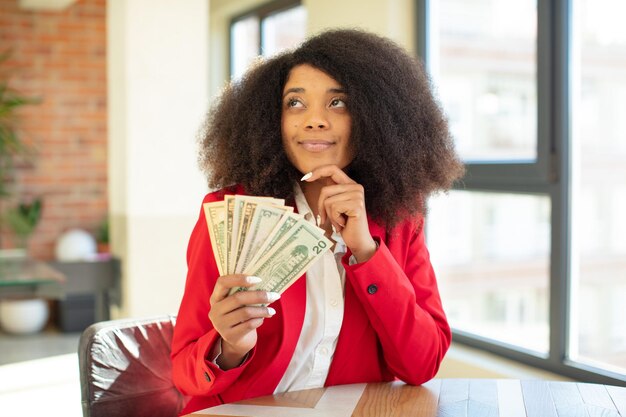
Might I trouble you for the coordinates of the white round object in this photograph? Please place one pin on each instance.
(23, 316)
(75, 245)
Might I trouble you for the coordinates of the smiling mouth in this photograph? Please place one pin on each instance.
(316, 145)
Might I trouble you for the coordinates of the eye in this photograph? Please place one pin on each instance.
(337, 102)
(294, 102)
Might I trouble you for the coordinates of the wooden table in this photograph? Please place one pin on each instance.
(439, 398)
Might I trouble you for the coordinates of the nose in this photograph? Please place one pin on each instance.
(316, 120)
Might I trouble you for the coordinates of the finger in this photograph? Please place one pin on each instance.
(337, 228)
(243, 314)
(243, 298)
(230, 323)
(352, 190)
(328, 171)
(224, 322)
(341, 210)
(335, 189)
(225, 283)
(240, 330)
(351, 196)
(337, 215)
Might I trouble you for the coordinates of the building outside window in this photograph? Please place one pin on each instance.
(598, 181)
(530, 249)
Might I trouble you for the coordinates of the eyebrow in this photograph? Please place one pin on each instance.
(302, 90)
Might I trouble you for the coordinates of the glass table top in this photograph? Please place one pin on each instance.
(24, 271)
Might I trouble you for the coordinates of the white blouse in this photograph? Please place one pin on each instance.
(322, 317)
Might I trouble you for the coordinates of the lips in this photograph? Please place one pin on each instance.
(316, 145)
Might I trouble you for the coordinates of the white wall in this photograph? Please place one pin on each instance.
(391, 18)
(158, 95)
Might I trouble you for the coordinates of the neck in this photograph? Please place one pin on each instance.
(311, 191)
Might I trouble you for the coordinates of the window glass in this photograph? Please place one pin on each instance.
(265, 34)
(598, 334)
(244, 44)
(283, 30)
(484, 66)
(491, 255)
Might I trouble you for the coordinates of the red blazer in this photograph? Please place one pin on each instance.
(393, 326)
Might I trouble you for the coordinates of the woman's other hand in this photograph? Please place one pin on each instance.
(236, 317)
(342, 202)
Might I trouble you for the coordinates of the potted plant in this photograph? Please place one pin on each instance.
(102, 236)
(23, 219)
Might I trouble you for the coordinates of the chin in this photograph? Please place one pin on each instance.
(311, 166)
(306, 165)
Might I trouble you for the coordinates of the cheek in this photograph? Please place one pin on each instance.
(348, 156)
(349, 150)
(288, 127)
(291, 154)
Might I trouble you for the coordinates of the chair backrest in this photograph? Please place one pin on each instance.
(125, 369)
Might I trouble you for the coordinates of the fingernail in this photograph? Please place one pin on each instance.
(272, 296)
(271, 311)
(333, 226)
(306, 176)
(318, 220)
(253, 280)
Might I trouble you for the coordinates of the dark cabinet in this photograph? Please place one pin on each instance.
(91, 288)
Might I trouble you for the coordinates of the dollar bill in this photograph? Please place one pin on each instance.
(260, 236)
(229, 205)
(261, 225)
(288, 221)
(236, 212)
(290, 257)
(215, 214)
(249, 207)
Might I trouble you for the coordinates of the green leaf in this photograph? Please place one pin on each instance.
(24, 218)
(11, 145)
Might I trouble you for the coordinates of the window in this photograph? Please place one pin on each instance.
(598, 307)
(530, 249)
(484, 58)
(492, 253)
(265, 31)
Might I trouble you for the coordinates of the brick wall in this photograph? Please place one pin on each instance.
(60, 57)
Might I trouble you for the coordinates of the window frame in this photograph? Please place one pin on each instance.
(261, 12)
(549, 175)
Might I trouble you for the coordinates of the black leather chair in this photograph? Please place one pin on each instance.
(125, 369)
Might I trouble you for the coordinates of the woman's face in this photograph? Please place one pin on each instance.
(316, 123)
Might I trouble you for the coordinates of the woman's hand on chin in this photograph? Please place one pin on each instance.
(342, 202)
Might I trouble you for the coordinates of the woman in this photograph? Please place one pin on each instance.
(346, 129)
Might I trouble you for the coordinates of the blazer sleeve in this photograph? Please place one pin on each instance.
(400, 296)
(194, 335)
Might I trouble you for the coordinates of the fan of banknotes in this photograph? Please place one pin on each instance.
(261, 236)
